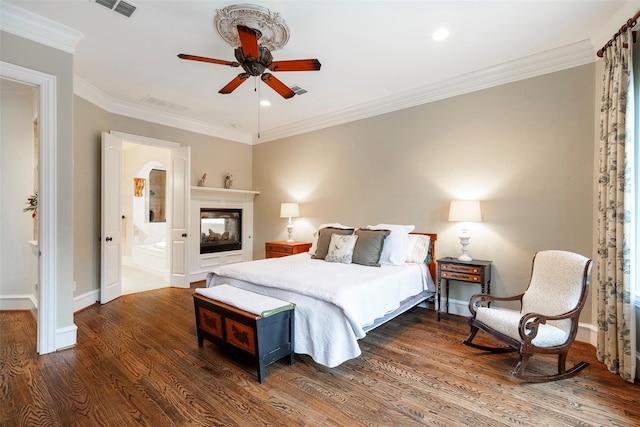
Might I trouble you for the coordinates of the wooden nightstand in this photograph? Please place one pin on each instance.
(282, 248)
(474, 271)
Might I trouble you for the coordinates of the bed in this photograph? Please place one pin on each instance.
(338, 302)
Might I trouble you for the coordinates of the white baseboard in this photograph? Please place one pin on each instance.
(29, 302)
(197, 277)
(586, 332)
(18, 302)
(85, 300)
(66, 337)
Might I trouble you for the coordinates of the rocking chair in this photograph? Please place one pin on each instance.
(547, 322)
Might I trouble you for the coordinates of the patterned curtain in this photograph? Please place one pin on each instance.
(616, 198)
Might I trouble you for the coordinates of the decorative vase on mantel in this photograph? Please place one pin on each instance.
(228, 180)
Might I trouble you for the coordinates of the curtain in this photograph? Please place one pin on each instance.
(616, 199)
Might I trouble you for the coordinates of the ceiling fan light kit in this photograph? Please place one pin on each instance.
(242, 26)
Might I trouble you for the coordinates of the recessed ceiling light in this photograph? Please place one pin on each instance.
(235, 125)
(440, 34)
(265, 103)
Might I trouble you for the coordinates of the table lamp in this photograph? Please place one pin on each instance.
(289, 210)
(465, 211)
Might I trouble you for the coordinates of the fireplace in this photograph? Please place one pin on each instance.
(220, 230)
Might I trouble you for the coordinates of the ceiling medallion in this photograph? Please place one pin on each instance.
(274, 31)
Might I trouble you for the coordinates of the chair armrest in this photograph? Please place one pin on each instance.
(483, 300)
(530, 322)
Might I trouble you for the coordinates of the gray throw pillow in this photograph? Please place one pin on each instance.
(369, 246)
(324, 238)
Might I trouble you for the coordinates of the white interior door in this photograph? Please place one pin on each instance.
(111, 228)
(179, 190)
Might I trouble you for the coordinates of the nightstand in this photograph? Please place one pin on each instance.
(474, 271)
(282, 248)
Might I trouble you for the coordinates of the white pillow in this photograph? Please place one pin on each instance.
(341, 248)
(395, 247)
(418, 248)
(314, 244)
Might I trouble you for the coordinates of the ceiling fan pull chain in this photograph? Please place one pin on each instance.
(257, 85)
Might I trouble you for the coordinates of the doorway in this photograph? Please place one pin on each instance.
(144, 222)
(18, 197)
(48, 340)
(113, 233)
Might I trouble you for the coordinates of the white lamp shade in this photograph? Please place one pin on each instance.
(465, 211)
(289, 210)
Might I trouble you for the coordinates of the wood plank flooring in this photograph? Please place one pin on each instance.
(137, 362)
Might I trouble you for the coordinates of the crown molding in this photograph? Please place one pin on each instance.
(95, 96)
(42, 30)
(559, 59)
(48, 32)
(34, 27)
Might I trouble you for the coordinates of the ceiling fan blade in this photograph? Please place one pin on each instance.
(249, 42)
(233, 84)
(211, 60)
(277, 85)
(296, 65)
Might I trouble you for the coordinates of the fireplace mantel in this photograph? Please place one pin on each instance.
(212, 197)
(204, 191)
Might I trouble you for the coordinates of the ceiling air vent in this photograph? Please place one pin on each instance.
(298, 90)
(164, 104)
(119, 6)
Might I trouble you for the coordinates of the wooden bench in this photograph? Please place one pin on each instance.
(260, 326)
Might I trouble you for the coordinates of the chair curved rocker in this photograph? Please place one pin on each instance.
(547, 322)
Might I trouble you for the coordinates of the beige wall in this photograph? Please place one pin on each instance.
(524, 149)
(210, 155)
(89, 121)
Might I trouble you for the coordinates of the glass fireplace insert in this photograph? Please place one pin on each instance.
(220, 230)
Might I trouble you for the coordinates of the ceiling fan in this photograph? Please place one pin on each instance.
(255, 59)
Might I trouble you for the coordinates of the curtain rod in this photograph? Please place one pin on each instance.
(630, 24)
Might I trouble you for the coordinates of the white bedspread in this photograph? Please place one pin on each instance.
(334, 301)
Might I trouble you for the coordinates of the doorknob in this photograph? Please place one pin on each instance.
(184, 234)
(109, 239)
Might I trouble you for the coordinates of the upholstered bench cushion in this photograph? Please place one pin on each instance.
(251, 302)
(506, 322)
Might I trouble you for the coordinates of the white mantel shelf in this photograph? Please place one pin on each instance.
(220, 191)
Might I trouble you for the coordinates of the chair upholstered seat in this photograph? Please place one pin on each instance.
(549, 312)
(506, 322)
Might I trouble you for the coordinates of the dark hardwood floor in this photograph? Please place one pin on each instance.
(137, 362)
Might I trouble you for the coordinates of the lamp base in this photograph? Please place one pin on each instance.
(290, 231)
(464, 241)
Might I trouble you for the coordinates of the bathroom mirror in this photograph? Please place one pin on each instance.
(157, 192)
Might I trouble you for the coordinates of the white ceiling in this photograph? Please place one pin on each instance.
(377, 56)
